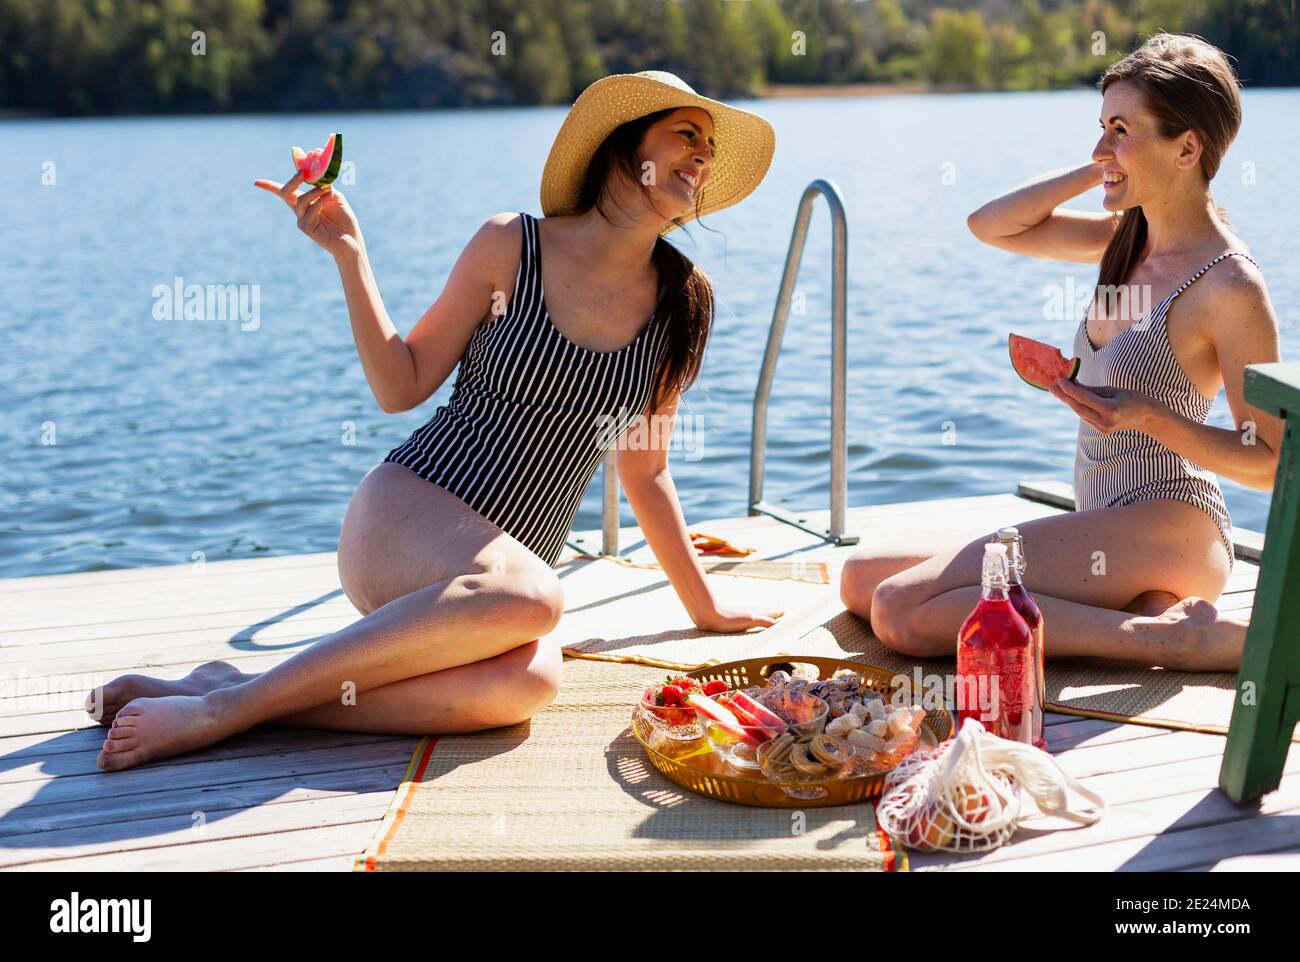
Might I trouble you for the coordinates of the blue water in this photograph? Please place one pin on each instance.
(178, 436)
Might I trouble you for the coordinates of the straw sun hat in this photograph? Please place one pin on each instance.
(745, 141)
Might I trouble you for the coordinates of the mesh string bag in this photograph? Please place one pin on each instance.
(967, 795)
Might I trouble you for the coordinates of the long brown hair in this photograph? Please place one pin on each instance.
(685, 299)
(1187, 84)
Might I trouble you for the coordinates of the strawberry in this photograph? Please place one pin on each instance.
(716, 687)
(672, 695)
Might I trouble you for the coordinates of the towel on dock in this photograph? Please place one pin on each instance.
(572, 790)
(620, 611)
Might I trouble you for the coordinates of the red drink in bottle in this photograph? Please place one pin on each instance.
(1028, 609)
(996, 675)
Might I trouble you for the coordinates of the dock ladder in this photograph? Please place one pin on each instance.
(839, 383)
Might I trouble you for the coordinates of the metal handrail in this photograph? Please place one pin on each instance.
(839, 383)
(839, 365)
(609, 506)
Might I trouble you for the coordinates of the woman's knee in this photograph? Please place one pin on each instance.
(526, 680)
(893, 618)
(534, 596)
(858, 580)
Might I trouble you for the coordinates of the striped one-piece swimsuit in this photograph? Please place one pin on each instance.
(1126, 467)
(531, 414)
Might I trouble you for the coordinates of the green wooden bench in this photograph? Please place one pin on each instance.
(1268, 685)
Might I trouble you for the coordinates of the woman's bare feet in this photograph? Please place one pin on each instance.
(105, 702)
(147, 729)
(1201, 638)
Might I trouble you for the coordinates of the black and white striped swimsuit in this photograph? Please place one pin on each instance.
(1128, 466)
(532, 414)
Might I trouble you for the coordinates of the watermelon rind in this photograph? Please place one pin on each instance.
(336, 161)
(1072, 376)
(332, 171)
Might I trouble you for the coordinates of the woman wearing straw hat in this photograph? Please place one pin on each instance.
(448, 545)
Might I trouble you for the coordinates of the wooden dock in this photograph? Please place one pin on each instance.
(296, 799)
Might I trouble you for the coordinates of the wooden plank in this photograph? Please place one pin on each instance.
(181, 831)
(1285, 860)
(215, 770)
(113, 816)
(121, 576)
(335, 863)
(123, 621)
(1166, 851)
(1164, 833)
(1085, 761)
(1093, 732)
(18, 748)
(87, 602)
(45, 723)
(1154, 782)
(223, 855)
(36, 766)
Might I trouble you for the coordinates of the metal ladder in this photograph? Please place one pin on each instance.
(839, 384)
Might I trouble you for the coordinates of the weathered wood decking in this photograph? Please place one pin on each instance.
(296, 799)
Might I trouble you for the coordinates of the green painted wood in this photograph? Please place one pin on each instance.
(1267, 708)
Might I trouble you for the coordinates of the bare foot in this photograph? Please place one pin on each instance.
(147, 729)
(103, 703)
(1202, 638)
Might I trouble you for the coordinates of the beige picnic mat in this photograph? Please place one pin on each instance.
(572, 790)
(616, 611)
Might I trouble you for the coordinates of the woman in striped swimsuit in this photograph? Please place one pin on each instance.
(448, 545)
(1129, 573)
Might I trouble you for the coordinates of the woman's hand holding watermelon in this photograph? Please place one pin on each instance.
(1108, 409)
(323, 214)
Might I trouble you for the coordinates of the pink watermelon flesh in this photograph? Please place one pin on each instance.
(315, 164)
(711, 712)
(763, 715)
(1038, 364)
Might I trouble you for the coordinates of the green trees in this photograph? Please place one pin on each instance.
(120, 56)
(958, 51)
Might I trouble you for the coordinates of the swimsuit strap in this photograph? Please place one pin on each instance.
(1191, 280)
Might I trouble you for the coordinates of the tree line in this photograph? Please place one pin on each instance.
(143, 56)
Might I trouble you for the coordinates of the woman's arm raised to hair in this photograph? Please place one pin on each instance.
(1028, 219)
(403, 373)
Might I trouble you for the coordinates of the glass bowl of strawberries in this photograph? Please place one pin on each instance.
(666, 705)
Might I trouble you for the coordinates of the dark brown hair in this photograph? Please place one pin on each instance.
(685, 300)
(1187, 84)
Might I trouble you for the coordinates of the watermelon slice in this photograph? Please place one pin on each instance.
(319, 167)
(1039, 364)
(711, 713)
(761, 714)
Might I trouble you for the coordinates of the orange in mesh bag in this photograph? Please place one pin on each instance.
(965, 795)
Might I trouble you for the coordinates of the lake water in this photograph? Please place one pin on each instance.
(173, 437)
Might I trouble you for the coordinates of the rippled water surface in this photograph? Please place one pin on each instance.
(175, 436)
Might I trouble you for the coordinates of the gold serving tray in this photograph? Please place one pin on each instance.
(696, 767)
